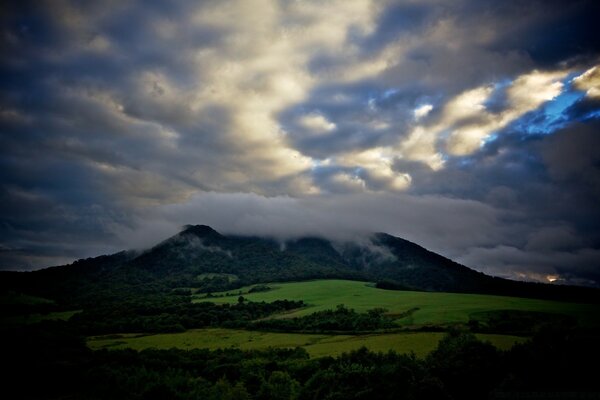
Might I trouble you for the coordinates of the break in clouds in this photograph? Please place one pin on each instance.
(470, 127)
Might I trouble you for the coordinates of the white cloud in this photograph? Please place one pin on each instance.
(421, 145)
(316, 123)
(530, 91)
(526, 93)
(348, 182)
(422, 111)
(589, 82)
(469, 122)
(467, 105)
(377, 163)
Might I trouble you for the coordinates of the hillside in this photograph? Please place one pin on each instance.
(204, 260)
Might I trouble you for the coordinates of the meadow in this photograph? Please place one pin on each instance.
(317, 345)
(430, 308)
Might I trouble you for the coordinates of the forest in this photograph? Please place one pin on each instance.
(53, 355)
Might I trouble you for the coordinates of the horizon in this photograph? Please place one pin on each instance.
(470, 128)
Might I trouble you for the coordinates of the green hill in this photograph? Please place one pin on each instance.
(201, 259)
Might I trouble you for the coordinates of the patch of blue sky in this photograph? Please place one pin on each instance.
(556, 107)
(550, 117)
(503, 83)
(465, 162)
(490, 138)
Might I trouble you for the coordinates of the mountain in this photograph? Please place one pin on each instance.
(202, 258)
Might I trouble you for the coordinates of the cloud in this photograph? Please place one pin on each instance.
(571, 157)
(553, 238)
(564, 267)
(468, 121)
(342, 181)
(525, 94)
(316, 123)
(463, 126)
(589, 82)
(440, 223)
(422, 111)
(378, 170)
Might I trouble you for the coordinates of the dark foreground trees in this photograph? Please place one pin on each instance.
(50, 360)
(340, 319)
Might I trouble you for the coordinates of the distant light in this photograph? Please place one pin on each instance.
(422, 111)
(552, 278)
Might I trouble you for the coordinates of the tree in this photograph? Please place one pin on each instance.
(223, 390)
(467, 367)
(280, 386)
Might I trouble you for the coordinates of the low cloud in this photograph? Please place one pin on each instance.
(442, 224)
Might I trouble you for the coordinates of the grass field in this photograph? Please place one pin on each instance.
(317, 345)
(433, 308)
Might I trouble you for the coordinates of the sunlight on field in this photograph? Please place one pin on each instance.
(433, 307)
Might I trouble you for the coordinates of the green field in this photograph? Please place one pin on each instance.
(317, 345)
(438, 309)
(433, 308)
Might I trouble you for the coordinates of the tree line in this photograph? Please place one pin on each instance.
(50, 360)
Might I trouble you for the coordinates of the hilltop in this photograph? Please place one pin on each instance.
(204, 260)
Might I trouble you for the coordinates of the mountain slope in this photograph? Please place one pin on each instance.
(200, 257)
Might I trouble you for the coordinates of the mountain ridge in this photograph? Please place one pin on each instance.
(186, 258)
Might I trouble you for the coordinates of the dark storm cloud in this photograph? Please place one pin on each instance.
(545, 188)
(121, 121)
(552, 31)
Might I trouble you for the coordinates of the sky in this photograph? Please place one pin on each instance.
(471, 127)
